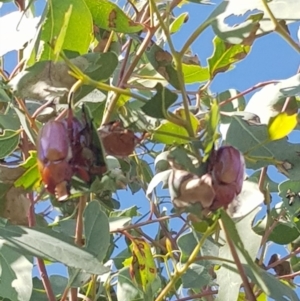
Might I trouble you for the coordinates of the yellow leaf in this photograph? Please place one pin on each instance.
(261, 297)
(281, 125)
(194, 121)
(142, 268)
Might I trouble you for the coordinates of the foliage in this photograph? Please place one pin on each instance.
(126, 118)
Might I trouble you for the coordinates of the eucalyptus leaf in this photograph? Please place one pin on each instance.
(16, 275)
(9, 141)
(50, 245)
(96, 227)
(225, 55)
(158, 105)
(79, 25)
(109, 16)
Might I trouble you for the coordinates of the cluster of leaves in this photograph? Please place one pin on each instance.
(125, 66)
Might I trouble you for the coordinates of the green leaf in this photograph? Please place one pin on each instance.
(26, 126)
(127, 290)
(225, 55)
(237, 104)
(283, 233)
(118, 222)
(228, 278)
(3, 96)
(211, 134)
(248, 138)
(67, 227)
(9, 141)
(109, 16)
(50, 245)
(281, 125)
(142, 268)
(275, 288)
(188, 241)
(58, 47)
(77, 278)
(268, 283)
(162, 62)
(58, 284)
(197, 276)
(170, 133)
(80, 25)
(293, 208)
(128, 212)
(31, 177)
(96, 229)
(194, 73)
(181, 158)
(178, 22)
(158, 105)
(16, 275)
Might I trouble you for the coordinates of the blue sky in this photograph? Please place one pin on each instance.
(270, 58)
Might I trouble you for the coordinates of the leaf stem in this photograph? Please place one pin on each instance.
(279, 28)
(191, 259)
(249, 293)
(194, 36)
(79, 221)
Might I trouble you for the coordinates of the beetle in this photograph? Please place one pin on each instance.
(227, 167)
(66, 148)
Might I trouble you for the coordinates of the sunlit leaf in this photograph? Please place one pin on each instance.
(211, 135)
(61, 37)
(194, 73)
(142, 268)
(178, 22)
(109, 16)
(79, 25)
(31, 177)
(281, 125)
(225, 55)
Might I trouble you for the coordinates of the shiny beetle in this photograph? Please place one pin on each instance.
(69, 147)
(54, 156)
(227, 167)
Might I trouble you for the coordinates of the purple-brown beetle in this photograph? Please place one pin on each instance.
(54, 156)
(66, 148)
(227, 167)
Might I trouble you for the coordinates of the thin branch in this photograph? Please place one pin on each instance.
(259, 85)
(248, 290)
(279, 28)
(272, 265)
(178, 273)
(129, 227)
(271, 228)
(79, 221)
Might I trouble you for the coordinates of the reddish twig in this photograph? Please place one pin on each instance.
(247, 287)
(129, 227)
(259, 85)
